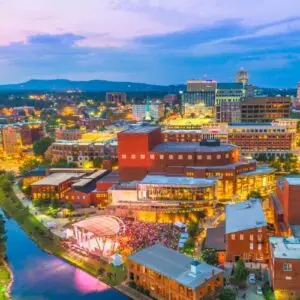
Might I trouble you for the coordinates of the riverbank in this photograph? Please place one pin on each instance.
(6, 281)
(50, 243)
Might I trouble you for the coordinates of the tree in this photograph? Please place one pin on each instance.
(210, 256)
(227, 294)
(2, 239)
(240, 272)
(256, 195)
(98, 162)
(41, 146)
(193, 229)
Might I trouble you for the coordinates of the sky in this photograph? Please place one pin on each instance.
(153, 41)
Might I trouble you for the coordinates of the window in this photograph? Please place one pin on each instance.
(133, 156)
(142, 156)
(199, 157)
(218, 156)
(251, 246)
(171, 156)
(287, 267)
(233, 237)
(152, 156)
(251, 237)
(180, 156)
(259, 246)
(227, 155)
(161, 156)
(190, 157)
(241, 237)
(208, 157)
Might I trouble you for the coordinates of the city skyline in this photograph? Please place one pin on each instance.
(149, 41)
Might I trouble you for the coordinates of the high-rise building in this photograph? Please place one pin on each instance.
(148, 111)
(242, 76)
(264, 109)
(298, 91)
(228, 98)
(200, 91)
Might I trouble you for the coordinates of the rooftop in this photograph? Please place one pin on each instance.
(286, 248)
(178, 180)
(140, 129)
(174, 265)
(244, 216)
(293, 180)
(191, 147)
(56, 179)
(258, 171)
(230, 85)
(215, 238)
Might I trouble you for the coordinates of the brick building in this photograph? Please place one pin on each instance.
(141, 152)
(264, 109)
(115, 97)
(246, 232)
(285, 267)
(168, 274)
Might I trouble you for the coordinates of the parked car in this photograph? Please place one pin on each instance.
(259, 290)
(251, 278)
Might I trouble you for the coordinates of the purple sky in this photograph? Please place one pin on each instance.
(158, 41)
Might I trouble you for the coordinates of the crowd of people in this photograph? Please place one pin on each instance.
(139, 235)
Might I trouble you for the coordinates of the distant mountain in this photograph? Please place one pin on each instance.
(62, 85)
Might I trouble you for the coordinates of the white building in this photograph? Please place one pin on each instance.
(156, 111)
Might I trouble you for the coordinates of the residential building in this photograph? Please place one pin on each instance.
(284, 267)
(264, 109)
(68, 134)
(246, 232)
(116, 97)
(168, 274)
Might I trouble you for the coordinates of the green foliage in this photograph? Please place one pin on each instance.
(256, 195)
(98, 162)
(64, 164)
(240, 272)
(227, 294)
(28, 165)
(210, 256)
(41, 146)
(36, 202)
(193, 229)
(2, 239)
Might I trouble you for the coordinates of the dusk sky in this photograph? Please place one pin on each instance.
(153, 41)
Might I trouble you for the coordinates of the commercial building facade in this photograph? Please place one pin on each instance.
(246, 232)
(156, 111)
(154, 269)
(264, 109)
(115, 97)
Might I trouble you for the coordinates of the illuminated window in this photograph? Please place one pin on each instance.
(251, 237)
(190, 157)
(161, 156)
(251, 246)
(218, 156)
(233, 237)
(259, 246)
(142, 156)
(171, 156)
(152, 156)
(123, 156)
(241, 237)
(199, 157)
(180, 156)
(227, 155)
(133, 156)
(208, 157)
(287, 267)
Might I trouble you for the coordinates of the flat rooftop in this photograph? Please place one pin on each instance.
(191, 147)
(215, 238)
(56, 179)
(140, 129)
(175, 265)
(244, 216)
(292, 180)
(178, 180)
(258, 171)
(285, 248)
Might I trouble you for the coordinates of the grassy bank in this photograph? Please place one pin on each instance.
(5, 280)
(46, 240)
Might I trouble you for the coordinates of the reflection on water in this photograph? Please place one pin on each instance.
(39, 275)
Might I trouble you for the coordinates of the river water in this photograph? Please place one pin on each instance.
(41, 276)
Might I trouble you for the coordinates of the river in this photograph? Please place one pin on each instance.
(41, 276)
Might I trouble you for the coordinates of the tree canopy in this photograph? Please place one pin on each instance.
(227, 294)
(210, 256)
(41, 146)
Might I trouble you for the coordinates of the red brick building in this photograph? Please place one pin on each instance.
(246, 232)
(285, 204)
(285, 267)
